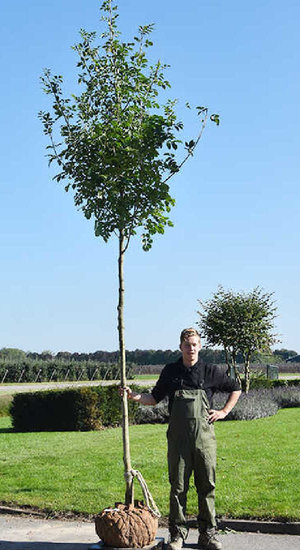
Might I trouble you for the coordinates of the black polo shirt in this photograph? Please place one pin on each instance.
(176, 376)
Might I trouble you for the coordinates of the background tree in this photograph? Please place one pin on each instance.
(12, 354)
(285, 354)
(116, 149)
(239, 322)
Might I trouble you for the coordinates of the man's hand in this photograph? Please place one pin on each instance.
(214, 415)
(143, 398)
(130, 394)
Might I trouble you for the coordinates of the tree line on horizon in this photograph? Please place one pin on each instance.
(140, 357)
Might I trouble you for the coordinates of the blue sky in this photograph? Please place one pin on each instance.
(237, 201)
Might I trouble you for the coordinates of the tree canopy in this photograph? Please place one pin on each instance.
(239, 322)
(118, 141)
(12, 354)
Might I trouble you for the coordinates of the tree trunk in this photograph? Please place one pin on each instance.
(247, 374)
(236, 370)
(129, 498)
(231, 362)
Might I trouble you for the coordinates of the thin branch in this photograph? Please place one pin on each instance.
(56, 153)
(190, 153)
(59, 103)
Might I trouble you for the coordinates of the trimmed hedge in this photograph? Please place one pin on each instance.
(56, 410)
(258, 383)
(109, 405)
(76, 409)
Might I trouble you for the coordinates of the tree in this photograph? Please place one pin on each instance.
(209, 355)
(285, 354)
(117, 149)
(239, 322)
(12, 354)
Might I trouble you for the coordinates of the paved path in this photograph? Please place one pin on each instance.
(19, 533)
(16, 388)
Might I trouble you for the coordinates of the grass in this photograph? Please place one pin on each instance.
(146, 377)
(287, 375)
(257, 474)
(5, 401)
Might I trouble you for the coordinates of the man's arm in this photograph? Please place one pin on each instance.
(230, 403)
(143, 398)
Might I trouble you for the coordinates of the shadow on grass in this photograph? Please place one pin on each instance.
(6, 430)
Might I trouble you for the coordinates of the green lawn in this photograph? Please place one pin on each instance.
(288, 375)
(5, 402)
(258, 467)
(146, 377)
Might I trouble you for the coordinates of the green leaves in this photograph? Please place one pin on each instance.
(114, 142)
(239, 322)
(215, 118)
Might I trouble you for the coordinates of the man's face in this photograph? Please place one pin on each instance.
(190, 348)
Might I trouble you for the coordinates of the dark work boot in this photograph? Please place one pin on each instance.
(208, 540)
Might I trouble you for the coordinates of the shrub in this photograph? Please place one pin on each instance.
(264, 401)
(259, 382)
(56, 410)
(255, 404)
(109, 405)
(283, 383)
(286, 397)
(76, 409)
(153, 415)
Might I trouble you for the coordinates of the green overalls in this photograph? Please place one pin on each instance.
(191, 447)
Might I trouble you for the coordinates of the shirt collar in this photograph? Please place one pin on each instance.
(194, 367)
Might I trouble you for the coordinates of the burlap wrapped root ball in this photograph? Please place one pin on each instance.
(126, 526)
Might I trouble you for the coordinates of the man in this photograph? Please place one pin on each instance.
(190, 386)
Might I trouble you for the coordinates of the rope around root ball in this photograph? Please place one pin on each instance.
(147, 495)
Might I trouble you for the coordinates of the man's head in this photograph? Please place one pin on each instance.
(190, 345)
